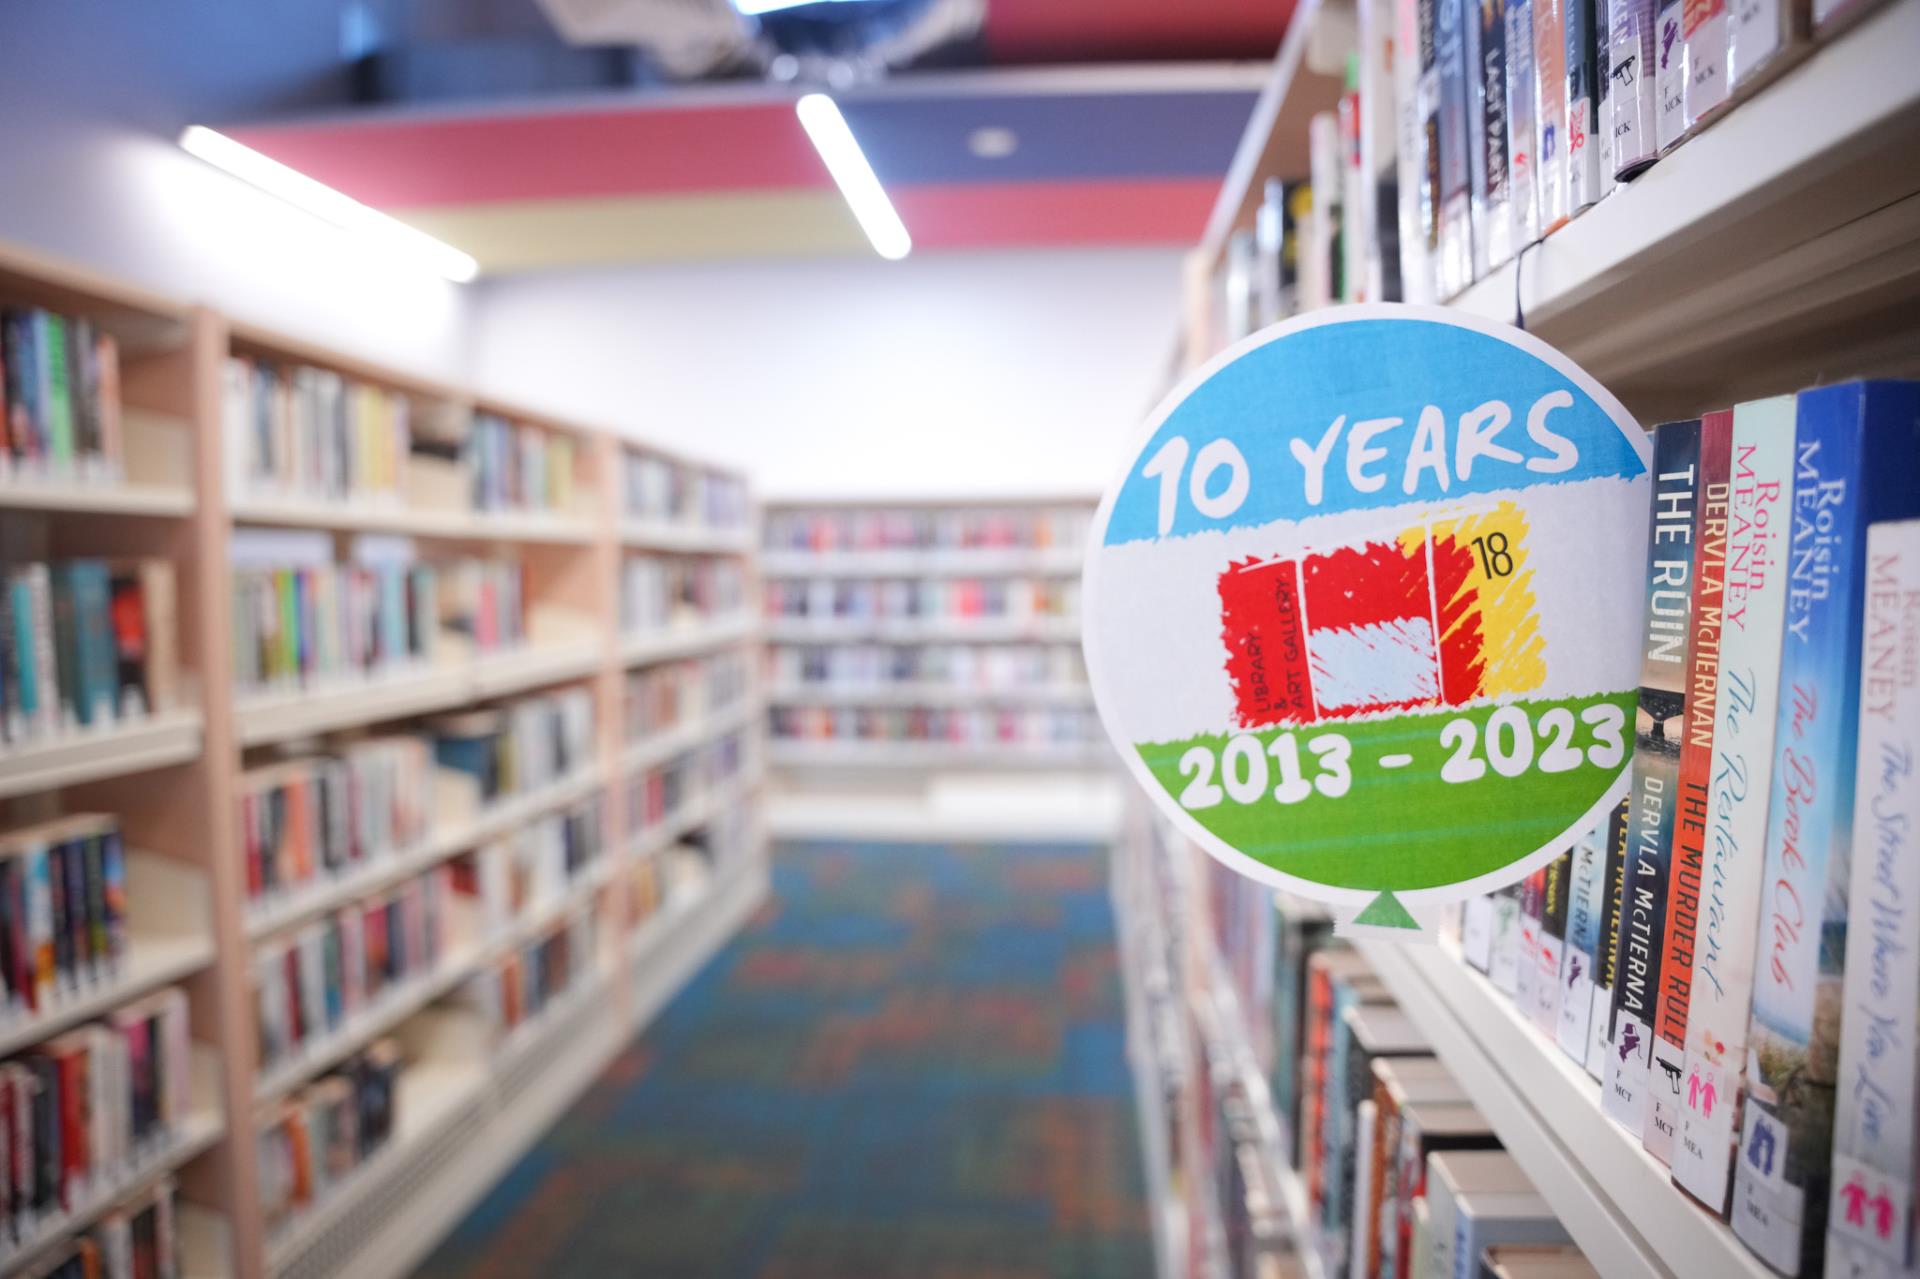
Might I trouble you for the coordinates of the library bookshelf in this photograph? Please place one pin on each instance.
(1774, 248)
(661, 896)
(913, 636)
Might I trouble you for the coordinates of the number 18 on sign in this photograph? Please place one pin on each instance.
(1362, 612)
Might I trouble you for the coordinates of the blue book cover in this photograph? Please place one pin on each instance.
(93, 615)
(1856, 456)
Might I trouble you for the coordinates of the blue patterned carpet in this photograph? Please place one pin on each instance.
(910, 1065)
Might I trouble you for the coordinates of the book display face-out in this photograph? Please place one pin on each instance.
(927, 635)
(362, 742)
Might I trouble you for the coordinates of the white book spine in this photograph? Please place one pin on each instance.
(1870, 1216)
(1585, 907)
(1761, 478)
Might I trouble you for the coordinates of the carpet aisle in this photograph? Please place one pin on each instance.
(911, 1063)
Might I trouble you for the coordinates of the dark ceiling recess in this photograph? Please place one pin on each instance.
(1030, 31)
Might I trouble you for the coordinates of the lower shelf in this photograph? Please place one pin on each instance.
(1614, 1198)
(799, 753)
(462, 1126)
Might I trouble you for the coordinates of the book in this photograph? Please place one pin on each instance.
(1755, 590)
(1484, 1219)
(1607, 956)
(1363, 1034)
(1871, 1212)
(1670, 82)
(1603, 99)
(1454, 264)
(1550, 943)
(1492, 174)
(1398, 1083)
(1703, 31)
(1856, 449)
(1582, 103)
(1522, 124)
(1551, 170)
(1537, 1261)
(1633, 104)
(1526, 968)
(1762, 36)
(1692, 801)
(1449, 1176)
(1586, 908)
(1504, 948)
(1426, 195)
(1656, 766)
(1430, 1128)
(1476, 931)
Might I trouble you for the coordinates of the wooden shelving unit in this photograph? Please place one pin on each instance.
(876, 549)
(466, 1106)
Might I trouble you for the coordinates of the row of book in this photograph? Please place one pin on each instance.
(1694, 952)
(661, 698)
(924, 598)
(138, 1239)
(911, 529)
(308, 983)
(86, 1110)
(982, 667)
(677, 493)
(62, 386)
(1468, 132)
(307, 432)
(314, 1140)
(668, 790)
(63, 912)
(530, 872)
(309, 625)
(311, 820)
(517, 467)
(1033, 727)
(86, 643)
(1308, 1072)
(662, 592)
(527, 980)
(488, 755)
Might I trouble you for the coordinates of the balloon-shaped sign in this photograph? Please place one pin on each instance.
(1362, 613)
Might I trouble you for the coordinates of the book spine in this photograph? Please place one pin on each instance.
(1703, 28)
(1759, 33)
(1586, 895)
(1551, 947)
(58, 390)
(1522, 125)
(1693, 799)
(1856, 449)
(1503, 964)
(1493, 173)
(1550, 112)
(1634, 103)
(1870, 1213)
(1606, 955)
(1670, 82)
(1583, 97)
(1527, 953)
(1603, 92)
(1755, 592)
(1456, 147)
(1656, 765)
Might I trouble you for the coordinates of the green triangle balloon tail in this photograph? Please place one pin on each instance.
(1384, 918)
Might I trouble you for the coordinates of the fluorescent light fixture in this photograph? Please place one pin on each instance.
(389, 234)
(820, 117)
(754, 8)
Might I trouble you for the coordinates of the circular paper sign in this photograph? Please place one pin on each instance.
(1362, 613)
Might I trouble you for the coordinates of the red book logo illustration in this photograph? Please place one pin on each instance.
(1439, 614)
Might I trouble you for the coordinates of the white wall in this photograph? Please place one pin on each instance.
(92, 94)
(946, 374)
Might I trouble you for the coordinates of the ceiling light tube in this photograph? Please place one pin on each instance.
(327, 204)
(820, 117)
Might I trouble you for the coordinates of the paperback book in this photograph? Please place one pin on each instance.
(1856, 451)
(1586, 897)
(1755, 595)
(1659, 727)
(1870, 1216)
(1607, 957)
(1583, 101)
(1693, 799)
